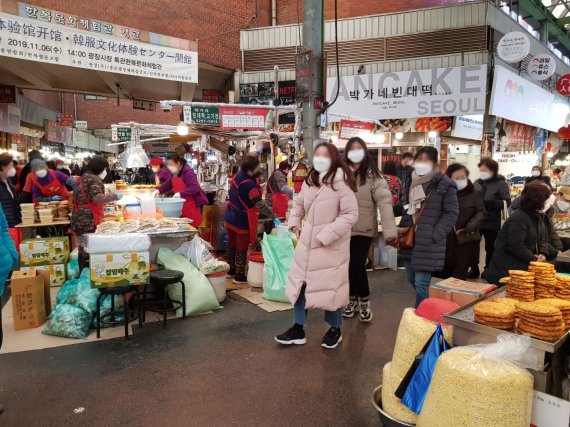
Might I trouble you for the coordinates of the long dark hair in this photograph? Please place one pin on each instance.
(367, 166)
(312, 177)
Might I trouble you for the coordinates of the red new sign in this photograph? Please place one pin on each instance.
(563, 85)
(244, 118)
(66, 119)
(352, 128)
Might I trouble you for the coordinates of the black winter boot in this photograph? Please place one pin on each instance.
(231, 260)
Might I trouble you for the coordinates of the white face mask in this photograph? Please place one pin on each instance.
(103, 174)
(12, 173)
(563, 205)
(173, 169)
(485, 175)
(535, 173)
(321, 163)
(356, 156)
(60, 166)
(41, 173)
(545, 208)
(423, 168)
(155, 170)
(461, 183)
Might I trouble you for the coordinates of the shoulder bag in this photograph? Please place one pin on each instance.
(463, 237)
(407, 235)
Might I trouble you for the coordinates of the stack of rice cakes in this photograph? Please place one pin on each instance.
(560, 304)
(495, 314)
(545, 280)
(540, 321)
(563, 287)
(521, 285)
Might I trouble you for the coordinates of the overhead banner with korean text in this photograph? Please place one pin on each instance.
(454, 91)
(33, 40)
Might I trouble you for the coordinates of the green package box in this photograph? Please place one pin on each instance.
(45, 251)
(119, 269)
(57, 273)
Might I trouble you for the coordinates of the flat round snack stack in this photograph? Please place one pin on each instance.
(521, 285)
(562, 305)
(494, 314)
(563, 287)
(545, 280)
(504, 280)
(540, 321)
(509, 301)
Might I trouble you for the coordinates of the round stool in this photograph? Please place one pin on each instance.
(121, 292)
(161, 279)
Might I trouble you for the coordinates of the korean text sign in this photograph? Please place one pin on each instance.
(435, 92)
(33, 40)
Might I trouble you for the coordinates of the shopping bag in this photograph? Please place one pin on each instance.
(401, 390)
(278, 256)
(416, 392)
(196, 251)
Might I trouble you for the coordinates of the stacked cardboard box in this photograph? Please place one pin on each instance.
(119, 269)
(49, 256)
(31, 301)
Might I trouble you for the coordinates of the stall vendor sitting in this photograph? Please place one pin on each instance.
(278, 192)
(186, 186)
(242, 216)
(48, 185)
(161, 173)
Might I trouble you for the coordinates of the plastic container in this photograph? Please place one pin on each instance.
(387, 420)
(218, 282)
(255, 269)
(171, 207)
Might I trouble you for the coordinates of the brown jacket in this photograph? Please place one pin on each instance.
(370, 196)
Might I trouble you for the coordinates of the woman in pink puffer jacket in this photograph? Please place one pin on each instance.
(319, 274)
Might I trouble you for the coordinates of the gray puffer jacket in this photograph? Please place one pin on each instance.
(438, 219)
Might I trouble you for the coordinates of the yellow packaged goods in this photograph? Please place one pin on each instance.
(390, 403)
(45, 251)
(471, 391)
(119, 269)
(55, 272)
(413, 333)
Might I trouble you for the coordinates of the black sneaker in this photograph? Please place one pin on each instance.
(231, 272)
(332, 338)
(239, 279)
(474, 273)
(294, 335)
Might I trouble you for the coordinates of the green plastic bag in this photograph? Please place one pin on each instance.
(200, 296)
(278, 257)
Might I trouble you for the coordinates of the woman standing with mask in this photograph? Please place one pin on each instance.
(161, 173)
(433, 209)
(89, 200)
(460, 253)
(242, 216)
(9, 199)
(536, 175)
(49, 185)
(186, 186)
(495, 192)
(372, 193)
(319, 274)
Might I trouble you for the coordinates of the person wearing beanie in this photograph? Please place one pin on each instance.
(161, 173)
(25, 180)
(48, 185)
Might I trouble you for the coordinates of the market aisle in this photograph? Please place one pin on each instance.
(222, 369)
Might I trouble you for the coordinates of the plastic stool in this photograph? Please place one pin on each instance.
(161, 279)
(112, 292)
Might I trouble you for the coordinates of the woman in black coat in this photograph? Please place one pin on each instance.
(528, 235)
(8, 195)
(436, 194)
(458, 257)
(536, 175)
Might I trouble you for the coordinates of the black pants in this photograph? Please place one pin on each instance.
(359, 246)
(490, 237)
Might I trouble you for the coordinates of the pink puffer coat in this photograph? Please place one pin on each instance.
(322, 254)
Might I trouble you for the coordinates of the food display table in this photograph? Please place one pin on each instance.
(551, 354)
(56, 229)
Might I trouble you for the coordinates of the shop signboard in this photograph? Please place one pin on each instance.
(516, 98)
(65, 119)
(513, 46)
(304, 75)
(468, 127)
(9, 118)
(54, 132)
(209, 116)
(563, 85)
(264, 93)
(33, 40)
(211, 95)
(120, 134)
(513, 164)
(81, 125)
(513, 136)
(8, 94)
(228, 117)
(541, 67)
(80, 139)
(453, 91)
(352, 128)
(142, 104)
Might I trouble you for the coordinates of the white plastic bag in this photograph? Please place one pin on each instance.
(196, 250)
(129, 242)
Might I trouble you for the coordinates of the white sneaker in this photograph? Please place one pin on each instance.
(351, 309)
(365, 312)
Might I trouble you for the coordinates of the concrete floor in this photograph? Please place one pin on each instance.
(218, 370)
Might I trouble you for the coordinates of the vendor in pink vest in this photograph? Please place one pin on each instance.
(48, 185)
(185, 185)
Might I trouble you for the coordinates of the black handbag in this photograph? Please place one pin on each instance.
(464, 237)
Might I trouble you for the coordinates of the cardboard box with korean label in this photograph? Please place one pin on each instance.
(29, 299)
(120, 269)
(459, 291)
(55, 273)
(54, 250)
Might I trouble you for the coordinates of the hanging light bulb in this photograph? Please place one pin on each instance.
(432, 134)
(182, 129)
(399, 135)
(550, 154)
(558, 163)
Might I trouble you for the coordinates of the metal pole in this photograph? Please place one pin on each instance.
(313, 31)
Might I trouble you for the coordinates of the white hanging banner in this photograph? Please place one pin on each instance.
(33, 40)
(454, 91)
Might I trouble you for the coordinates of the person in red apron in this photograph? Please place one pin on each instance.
(278, 191)
(89, 201)
(242, 216)
(185, 185)
(48, 185)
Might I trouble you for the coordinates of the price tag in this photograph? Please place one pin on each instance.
(549, 411)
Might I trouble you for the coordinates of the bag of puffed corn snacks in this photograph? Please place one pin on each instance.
(482, 385)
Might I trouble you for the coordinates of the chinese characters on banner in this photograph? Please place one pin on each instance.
(563, 85)
(515, 136)
(437, 92)
(23, 38)
(210, 95)
(9, 118)
(54, 132)
(228, 117)
(351, 128)
(65, 119)
(8, 94)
